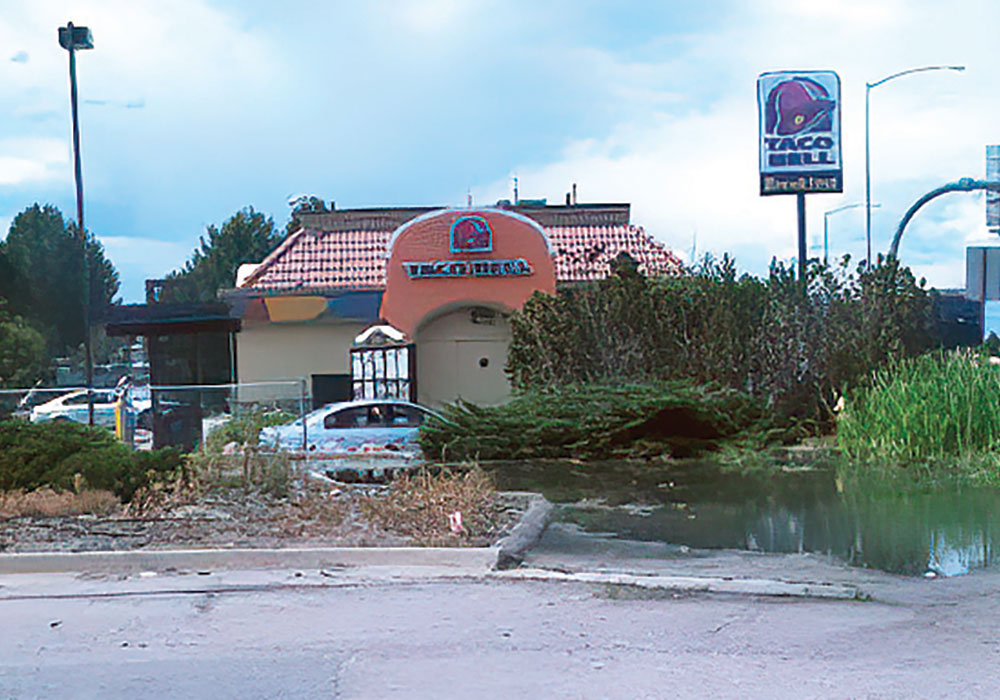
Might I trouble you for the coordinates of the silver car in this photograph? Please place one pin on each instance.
(376, 427)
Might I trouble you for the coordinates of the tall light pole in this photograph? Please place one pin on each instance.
(826, 224)
(868, 176)
(73, 38)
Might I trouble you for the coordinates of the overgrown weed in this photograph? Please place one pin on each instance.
(422, 505)
(936, 413)
(46, 502)
(232, 456)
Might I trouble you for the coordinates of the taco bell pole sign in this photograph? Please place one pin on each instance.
(799, 132)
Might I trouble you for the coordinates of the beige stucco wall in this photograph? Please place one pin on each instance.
(450, 349)
(266, 351)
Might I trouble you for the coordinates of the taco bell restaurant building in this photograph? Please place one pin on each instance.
(446, 279)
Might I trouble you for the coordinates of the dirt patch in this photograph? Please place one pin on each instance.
(408, 513)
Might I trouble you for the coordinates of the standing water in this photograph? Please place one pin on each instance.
(945, 531)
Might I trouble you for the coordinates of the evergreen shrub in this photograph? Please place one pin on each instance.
(593, 421)
(795, 352)
(36, 455)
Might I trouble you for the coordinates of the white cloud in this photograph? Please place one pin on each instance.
(690, 168)
(145, 257)
(430, 15)
(29, 160)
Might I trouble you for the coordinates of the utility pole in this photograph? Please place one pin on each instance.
(72, 38)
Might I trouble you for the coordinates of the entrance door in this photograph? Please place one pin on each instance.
(330, 388)
(462, 355)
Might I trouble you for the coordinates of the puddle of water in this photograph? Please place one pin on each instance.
(947, 532)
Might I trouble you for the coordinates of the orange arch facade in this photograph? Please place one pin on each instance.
(452, 277)
(464, 258)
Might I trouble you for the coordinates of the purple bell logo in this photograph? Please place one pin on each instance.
(471, 234)
(798, 106)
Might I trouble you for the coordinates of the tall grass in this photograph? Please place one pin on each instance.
(939, 405)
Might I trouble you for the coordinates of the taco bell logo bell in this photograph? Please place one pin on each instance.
(799, 132)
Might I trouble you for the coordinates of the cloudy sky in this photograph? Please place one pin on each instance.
(193, 109)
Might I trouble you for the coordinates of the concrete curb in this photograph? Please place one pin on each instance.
(509, 551)
(525, 534)
(692, 584)
(462, 559)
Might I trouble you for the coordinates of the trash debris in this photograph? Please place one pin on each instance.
(455, 522)
(55, 623)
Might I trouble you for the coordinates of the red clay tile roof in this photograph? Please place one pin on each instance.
(313, 260)
(583, 253)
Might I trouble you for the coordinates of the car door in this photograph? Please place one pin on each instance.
(403, 424)
(348, 430)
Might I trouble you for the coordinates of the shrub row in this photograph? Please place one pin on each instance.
(796, 352)
(594, 421)
(35, 455)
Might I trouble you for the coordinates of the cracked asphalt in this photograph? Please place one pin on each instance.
(352, 634)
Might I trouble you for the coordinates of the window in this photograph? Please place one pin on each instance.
(360, 417)
(81, 400)
(405, 416)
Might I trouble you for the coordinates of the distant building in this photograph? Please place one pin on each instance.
(446, 277)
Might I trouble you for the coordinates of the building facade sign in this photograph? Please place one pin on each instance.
(457, 258)
(516, 267)
(799, 139)
(471, 234)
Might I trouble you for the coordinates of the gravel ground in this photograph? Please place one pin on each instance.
(344, 516)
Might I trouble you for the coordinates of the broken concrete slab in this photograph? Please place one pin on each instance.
(693, 584)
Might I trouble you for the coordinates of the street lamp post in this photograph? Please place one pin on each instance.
(73, 38)
(868, 179)
(826, 224)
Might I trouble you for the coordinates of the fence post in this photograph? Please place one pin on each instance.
(302, 415)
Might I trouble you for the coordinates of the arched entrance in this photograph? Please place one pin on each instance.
(461, 354)
(451, 279)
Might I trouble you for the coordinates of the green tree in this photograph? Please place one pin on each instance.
(42, 255)
(304, 204)
(248, 236)
(22, 352)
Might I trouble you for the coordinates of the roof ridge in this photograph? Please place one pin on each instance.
(272, 256)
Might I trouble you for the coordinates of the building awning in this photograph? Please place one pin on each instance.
(167, 319)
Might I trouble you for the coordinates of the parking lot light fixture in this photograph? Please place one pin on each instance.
(868, 177)
(72, 39)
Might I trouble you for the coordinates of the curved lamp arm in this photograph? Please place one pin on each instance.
(912, 70)
(966, 184)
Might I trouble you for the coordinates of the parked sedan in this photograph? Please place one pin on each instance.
(73, 406)
(388, 427)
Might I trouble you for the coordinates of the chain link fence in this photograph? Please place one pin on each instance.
(147, 416)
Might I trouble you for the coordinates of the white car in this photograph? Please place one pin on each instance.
(377, 427)
(73, 406)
